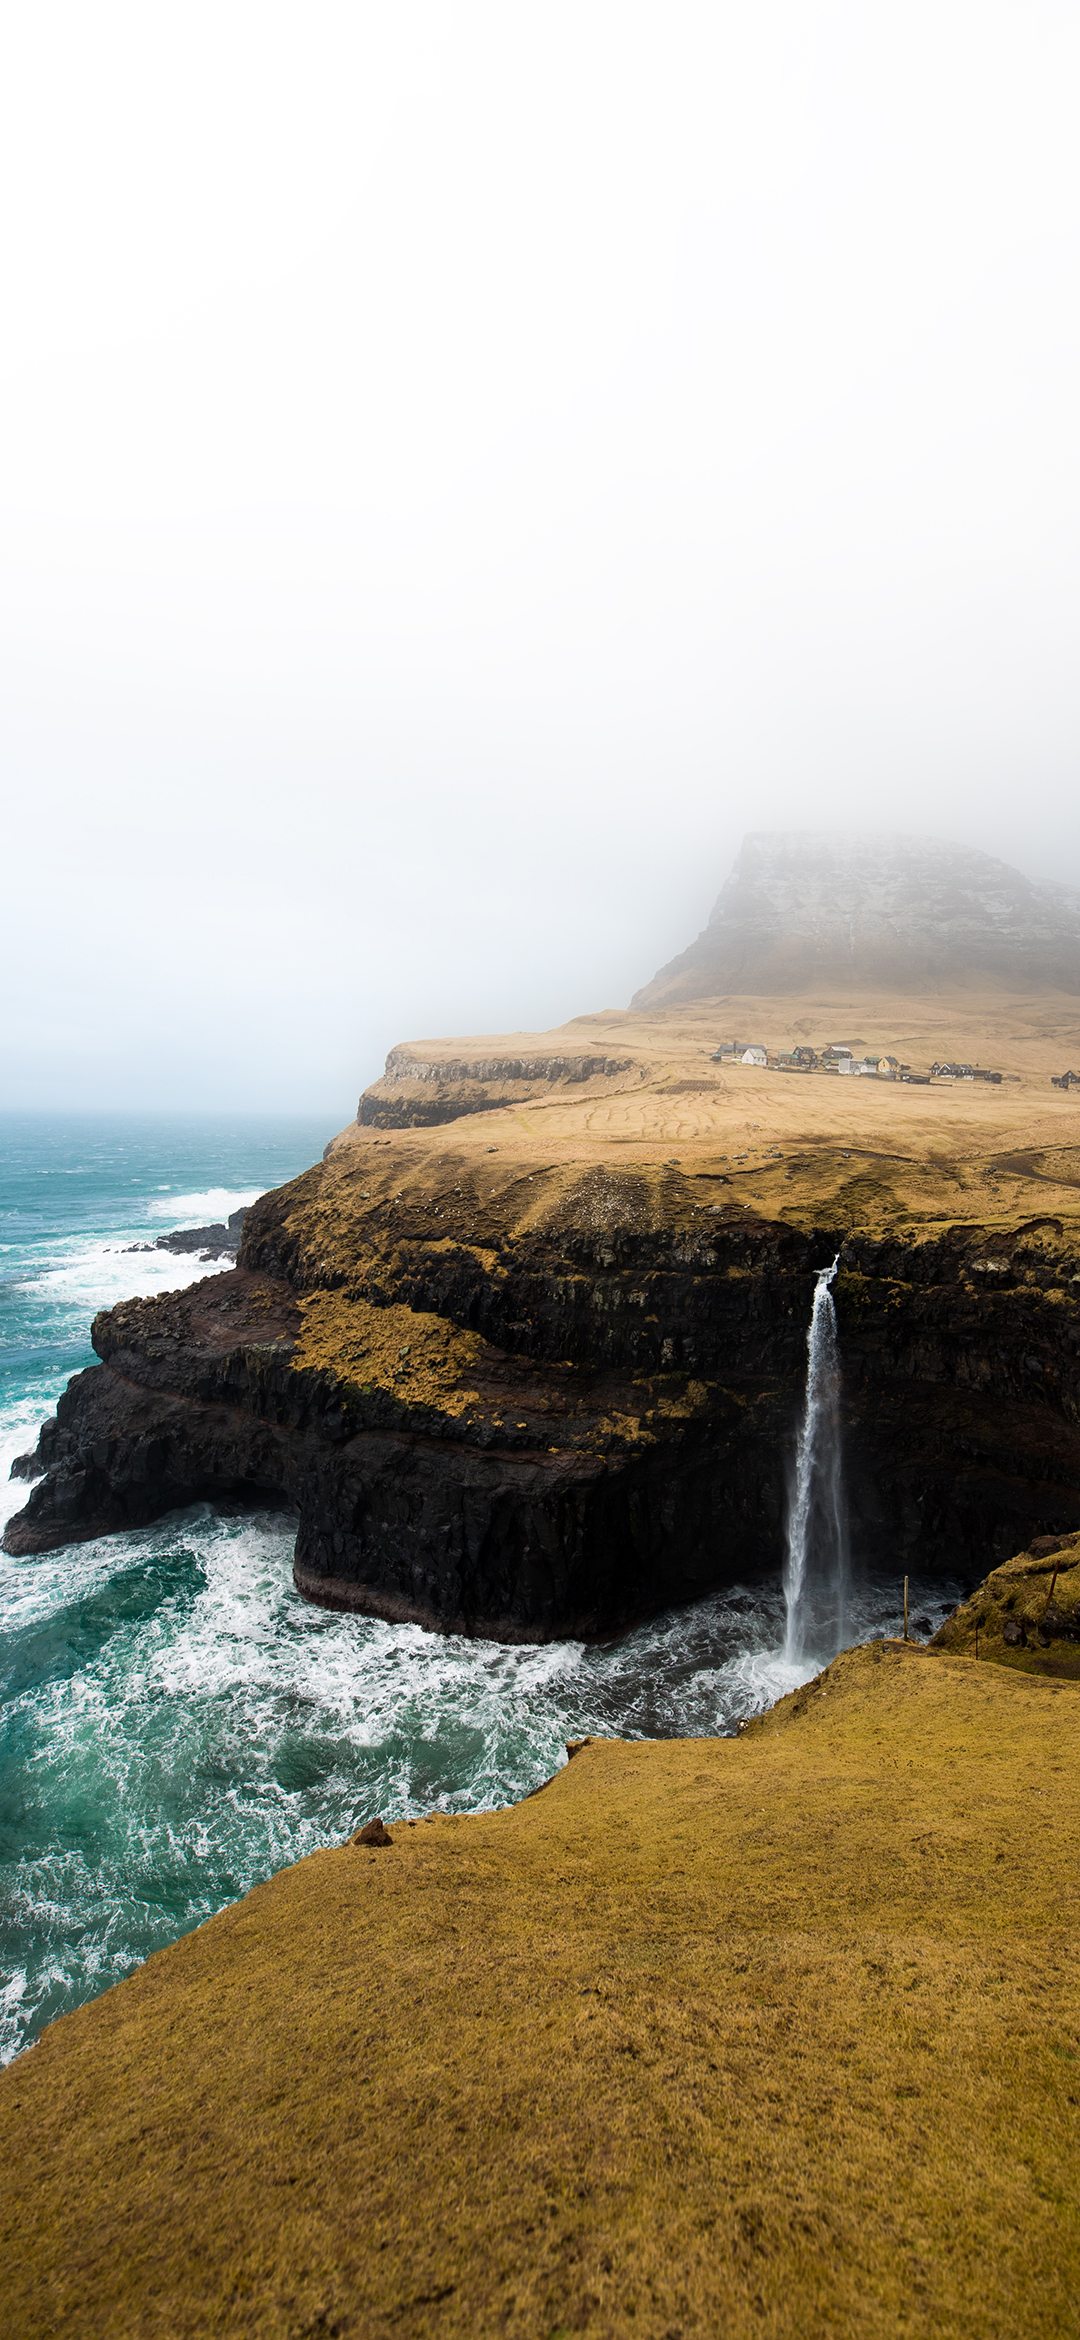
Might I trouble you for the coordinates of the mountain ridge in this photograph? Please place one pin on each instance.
(806, 907)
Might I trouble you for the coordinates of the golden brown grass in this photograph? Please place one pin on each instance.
(770, 2036)
(419, 1357)
(674, 1095)
(810, 1150)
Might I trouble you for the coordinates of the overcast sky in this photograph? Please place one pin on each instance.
(465, 463)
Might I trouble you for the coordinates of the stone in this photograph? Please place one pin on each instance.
(374, 1833)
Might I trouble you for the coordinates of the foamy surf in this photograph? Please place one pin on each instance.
(201, 1210)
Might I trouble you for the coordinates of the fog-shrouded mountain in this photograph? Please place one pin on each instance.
(807, 907)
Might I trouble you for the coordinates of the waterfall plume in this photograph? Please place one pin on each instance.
(816, 1566)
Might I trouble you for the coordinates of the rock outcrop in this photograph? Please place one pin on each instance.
(206, 1243)
(910, 914)
(1026, 1614)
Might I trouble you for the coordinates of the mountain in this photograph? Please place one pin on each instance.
(900, 913)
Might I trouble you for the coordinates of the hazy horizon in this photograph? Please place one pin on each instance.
(465, 469)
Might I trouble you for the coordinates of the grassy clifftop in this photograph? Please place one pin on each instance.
(774, 2035)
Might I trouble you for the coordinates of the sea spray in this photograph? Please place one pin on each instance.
(816, 1567)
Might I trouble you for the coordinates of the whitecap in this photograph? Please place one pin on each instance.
(207, 1209)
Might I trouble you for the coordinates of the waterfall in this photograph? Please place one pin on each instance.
(815, 1571)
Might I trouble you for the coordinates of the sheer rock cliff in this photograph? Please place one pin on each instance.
(536, 1403)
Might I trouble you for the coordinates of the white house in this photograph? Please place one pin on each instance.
(754, 1056)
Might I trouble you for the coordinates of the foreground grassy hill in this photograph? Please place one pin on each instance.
(777, 2035)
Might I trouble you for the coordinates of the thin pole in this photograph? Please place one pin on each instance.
(905, 1609)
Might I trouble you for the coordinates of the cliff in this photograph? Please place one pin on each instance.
(536, 1374)
(770, 2035)
(913, 914)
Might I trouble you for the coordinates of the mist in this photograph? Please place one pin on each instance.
(463, 467)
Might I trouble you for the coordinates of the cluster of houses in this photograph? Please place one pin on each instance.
(1067, 1080)
(838, 1058)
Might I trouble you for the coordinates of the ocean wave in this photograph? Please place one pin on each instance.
(96, 1275)
(201, 1210)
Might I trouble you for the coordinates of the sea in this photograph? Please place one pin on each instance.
(175, 1722)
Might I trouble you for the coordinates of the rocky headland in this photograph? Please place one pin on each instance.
(525, 1349)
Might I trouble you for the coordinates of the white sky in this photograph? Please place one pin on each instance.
(464, 463)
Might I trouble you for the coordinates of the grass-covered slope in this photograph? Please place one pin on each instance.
(778, 2035)
(1026, 1614)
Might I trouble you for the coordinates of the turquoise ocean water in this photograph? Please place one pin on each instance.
(175, 1723)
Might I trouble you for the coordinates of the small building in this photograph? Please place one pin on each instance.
(754, 1055)
(888, 1067)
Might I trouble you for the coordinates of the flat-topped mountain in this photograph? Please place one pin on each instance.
(904, 913)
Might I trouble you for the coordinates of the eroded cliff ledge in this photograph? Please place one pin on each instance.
(537, 1373)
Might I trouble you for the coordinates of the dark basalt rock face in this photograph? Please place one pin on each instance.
(636, 1394)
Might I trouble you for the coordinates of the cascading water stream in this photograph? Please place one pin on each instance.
(816, 1568)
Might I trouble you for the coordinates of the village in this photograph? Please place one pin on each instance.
(839, 1058)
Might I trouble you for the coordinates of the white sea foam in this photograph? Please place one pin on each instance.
(201, 1210)
(80, 1275)
(19, 1431)
(97, 1275)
